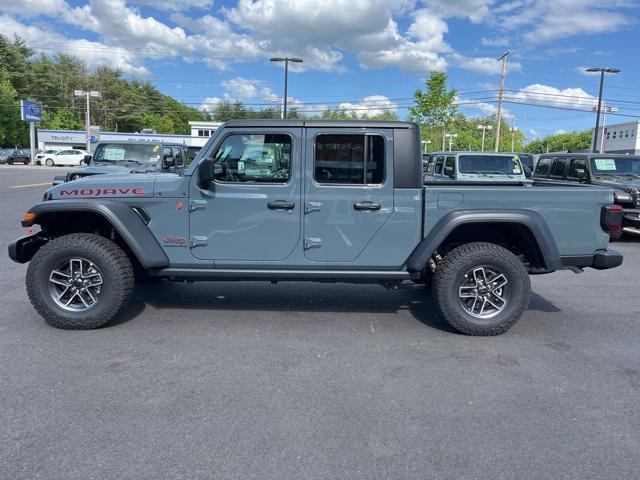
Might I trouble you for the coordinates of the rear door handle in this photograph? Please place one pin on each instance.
(281, 205)
(367, 206)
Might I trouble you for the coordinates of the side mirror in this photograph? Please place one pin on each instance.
(581, 173)
(448, 171)
(87, 159)
(206, 173)
(168, 161)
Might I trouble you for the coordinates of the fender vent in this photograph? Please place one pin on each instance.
(142, 213)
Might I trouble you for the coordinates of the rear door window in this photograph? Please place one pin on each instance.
(558, 167)
(575, 165)
(349, 159)
(542, 168)
(439, 165)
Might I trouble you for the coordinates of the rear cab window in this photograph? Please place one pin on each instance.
(558, 168)
(349, 159)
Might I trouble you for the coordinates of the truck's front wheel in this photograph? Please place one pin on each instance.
(79, 281)
(481, 288)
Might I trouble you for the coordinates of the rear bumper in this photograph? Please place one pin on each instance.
(600, 260)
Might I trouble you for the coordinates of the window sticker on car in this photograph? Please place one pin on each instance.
(114, 153)
(606, 164)
(156, 148)
(516, 166)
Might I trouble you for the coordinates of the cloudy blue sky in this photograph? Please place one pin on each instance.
(363, 55)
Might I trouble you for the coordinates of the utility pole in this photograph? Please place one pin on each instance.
(87, 115)
(503, 59)
(444, 136)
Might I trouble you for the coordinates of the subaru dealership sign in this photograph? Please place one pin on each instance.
(30, 111)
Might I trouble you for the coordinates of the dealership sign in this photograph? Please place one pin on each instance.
(30, 111)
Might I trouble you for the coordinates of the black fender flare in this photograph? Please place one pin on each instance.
(120, 216)
(418, 259)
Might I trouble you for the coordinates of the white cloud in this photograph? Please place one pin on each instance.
(534, 133)
(177, 5)
(547, 20)
(546, 95)
(474, 10)
(484, 65)
(92, 53)
(495, 42)
(240, 88)
(34, 8)
(371, 106)
(209, 103)
(560, 131)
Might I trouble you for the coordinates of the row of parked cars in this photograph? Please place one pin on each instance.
(9, 156)
(619, 172)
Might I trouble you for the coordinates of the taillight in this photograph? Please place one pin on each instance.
(611, 218)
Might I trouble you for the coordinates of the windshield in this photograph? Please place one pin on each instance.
(127, 152)
(616, 166)
(490, 164)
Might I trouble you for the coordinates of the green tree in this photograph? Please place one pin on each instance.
(434, 108)
(13, 131)
(60, 119)
(573, 141)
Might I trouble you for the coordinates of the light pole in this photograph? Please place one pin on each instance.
(513, 129)
(451, 136)
(484, 128)
(602, 71)
(87, 115)
(424, 145)
(605, 110)
(286, 61)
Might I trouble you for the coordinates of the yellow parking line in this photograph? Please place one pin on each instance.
(31, 185)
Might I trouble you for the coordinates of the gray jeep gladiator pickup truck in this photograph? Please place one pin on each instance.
(314, 201)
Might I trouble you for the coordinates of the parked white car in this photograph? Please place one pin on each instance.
(66, 157)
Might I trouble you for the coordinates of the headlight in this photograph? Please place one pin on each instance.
(74, 177)
(47, 196)
(622, 196)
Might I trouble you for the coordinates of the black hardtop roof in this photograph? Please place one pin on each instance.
(320, 123)
(586, 154)
(471, 152)
(143, 142)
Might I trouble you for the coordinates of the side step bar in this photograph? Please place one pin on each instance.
(374, 276)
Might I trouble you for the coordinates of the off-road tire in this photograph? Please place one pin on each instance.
(616, 235)
(112, 262)
(27, 161)
(450, 274)
(49, 162)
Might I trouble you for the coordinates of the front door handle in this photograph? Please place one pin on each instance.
(281, 205)
(367, 206)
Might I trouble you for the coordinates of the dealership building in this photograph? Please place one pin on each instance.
(68, 139)
(620, 138)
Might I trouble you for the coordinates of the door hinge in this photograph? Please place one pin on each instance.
(312, 207)
(310, 243)
(197, 205)
(199, 241)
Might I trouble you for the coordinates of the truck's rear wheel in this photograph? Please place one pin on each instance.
(481, 288)
(79, 281)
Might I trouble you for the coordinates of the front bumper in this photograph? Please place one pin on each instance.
(59, 180)
(24, 248)
(600, 260)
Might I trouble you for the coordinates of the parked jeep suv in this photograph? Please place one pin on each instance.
(474, 167)
(619, 172)
(131, 157)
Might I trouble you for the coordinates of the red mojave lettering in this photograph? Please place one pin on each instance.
(101, 192)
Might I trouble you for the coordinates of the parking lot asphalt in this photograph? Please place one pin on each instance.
(318, 381)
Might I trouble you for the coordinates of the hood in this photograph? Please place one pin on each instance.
(618, 181)
(99, 170)
(105, 186)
